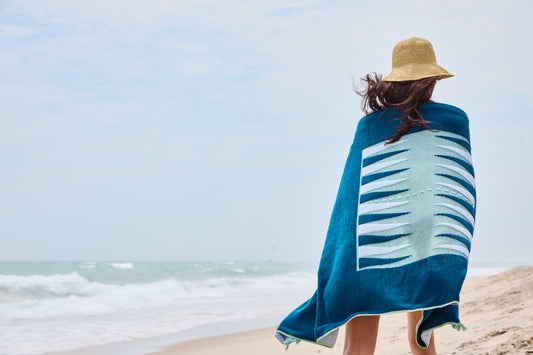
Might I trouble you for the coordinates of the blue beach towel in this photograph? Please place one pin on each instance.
(401, 229)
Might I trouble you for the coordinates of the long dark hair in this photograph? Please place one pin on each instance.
(406, 96)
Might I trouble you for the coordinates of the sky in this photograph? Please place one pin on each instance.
(218, 130)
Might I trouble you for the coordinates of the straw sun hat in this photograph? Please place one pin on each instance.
(413, 59)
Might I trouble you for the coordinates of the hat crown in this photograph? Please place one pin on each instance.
(414, 50)
(414, 59)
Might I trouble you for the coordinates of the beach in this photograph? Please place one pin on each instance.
(497, 311)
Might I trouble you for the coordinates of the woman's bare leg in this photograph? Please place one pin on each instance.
(361, 335)
(412, 321)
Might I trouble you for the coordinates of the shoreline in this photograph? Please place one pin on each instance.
(497, 310)
(143, 346)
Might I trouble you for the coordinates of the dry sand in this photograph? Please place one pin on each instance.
(497, 310)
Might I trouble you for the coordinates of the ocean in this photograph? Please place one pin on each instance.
(56, 306)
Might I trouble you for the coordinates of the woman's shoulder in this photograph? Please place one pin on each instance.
(428, 110)
(432, 105)
(439, 107)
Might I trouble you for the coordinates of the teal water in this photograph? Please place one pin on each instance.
(150, 271)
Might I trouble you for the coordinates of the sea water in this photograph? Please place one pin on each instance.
(53, 306)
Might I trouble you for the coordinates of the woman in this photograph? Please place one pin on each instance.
(401, 228)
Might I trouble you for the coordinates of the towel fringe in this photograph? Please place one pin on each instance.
(288, 341)
(459, 327)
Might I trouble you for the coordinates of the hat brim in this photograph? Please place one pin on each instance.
(417, 72)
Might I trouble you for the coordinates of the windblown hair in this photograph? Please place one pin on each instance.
(406, 96)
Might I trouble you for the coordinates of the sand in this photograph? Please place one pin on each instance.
(497, 310)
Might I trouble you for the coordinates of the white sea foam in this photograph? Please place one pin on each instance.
(122, 265)
(39, 297)
(89, 265)
(239, 270)
(63, 311)
(14, 288)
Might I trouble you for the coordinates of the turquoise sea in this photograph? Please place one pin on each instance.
(55, 306)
